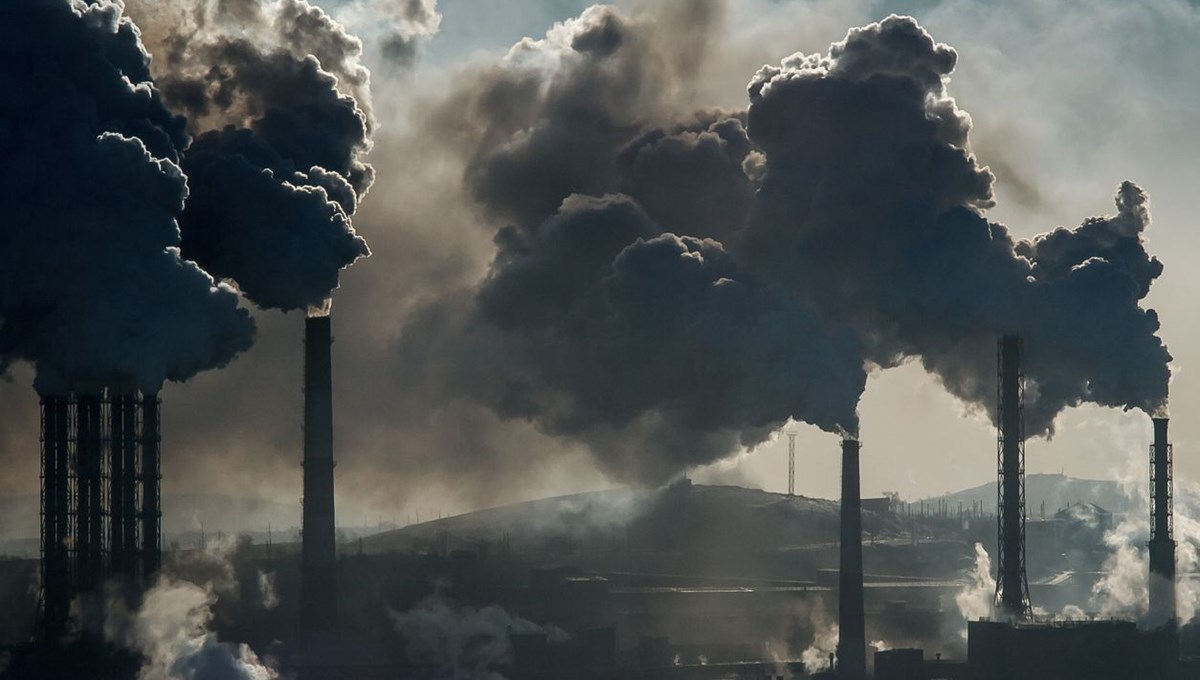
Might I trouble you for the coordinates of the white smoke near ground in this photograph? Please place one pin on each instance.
(817, 656)
(465, 643)
(1123, 590)
(976, 597)
(172, 628)
(266, 586)
(1187, 550)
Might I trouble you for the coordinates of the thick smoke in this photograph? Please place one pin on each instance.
(93, 289)
(466, 643)
(655, 349)
(172, 626)
(871, 208)
(976, 597)
(674, 285)
(279, 105)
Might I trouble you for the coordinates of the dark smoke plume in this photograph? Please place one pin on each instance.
(675, 285)
(871, 209)
(279, 107)
(93, 290)
(657, 350)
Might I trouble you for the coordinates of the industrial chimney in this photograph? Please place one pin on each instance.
(318, 603)
(1162, 544)
(1012, 589)
(852, 634)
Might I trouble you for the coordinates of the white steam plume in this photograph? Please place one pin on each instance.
(977, 595)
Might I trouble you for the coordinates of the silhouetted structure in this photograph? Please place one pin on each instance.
(318, 605)
(151, 481)
(852, 635)
(1162, 543)
(93, 494)
(791, 463)
(1012, 589)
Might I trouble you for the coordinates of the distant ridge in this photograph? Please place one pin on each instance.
(1056, 491)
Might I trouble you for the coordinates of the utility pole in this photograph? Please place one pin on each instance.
(791, 463)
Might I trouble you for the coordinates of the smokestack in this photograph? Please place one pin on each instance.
(1011, 586)
(318, 606)
(55, 597)
(1162, 543)
(151, 513)
(852, 634)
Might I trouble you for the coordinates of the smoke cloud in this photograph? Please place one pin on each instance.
(172, 628)
(672, 286)
(975, 598)
(466, 643)
(871, 206)
(280, 107)
(93, 289)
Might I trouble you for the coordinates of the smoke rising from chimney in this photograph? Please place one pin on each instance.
(93, 289)
(847, 232)
(872, 206)
(280, 108)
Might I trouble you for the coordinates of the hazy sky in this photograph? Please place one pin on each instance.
(1068, 99)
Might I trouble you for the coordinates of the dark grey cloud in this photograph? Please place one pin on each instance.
(871, 208)
(695, 178)
(676, 285)
(93, 290)
(656, 350)
(551, 119)
(279, 106)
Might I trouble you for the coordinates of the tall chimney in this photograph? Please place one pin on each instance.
(56, 596)
(1162, 544)
(852, 634)
(318, 595)
(151, 478)
(1011, 586)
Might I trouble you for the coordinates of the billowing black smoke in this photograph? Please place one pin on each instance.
(92, 286)
(871, 209)
(279, 107)
(676, 285)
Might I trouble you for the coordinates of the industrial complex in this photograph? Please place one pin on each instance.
(611, 610)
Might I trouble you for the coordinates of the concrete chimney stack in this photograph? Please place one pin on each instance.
(318, 598)
(1162, 543)
(852, 634)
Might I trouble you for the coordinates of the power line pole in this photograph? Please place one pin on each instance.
(791, 463)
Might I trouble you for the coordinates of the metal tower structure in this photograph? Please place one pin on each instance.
(1012, 588)
(1162, 542)
(791, 463)
(93, 494)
